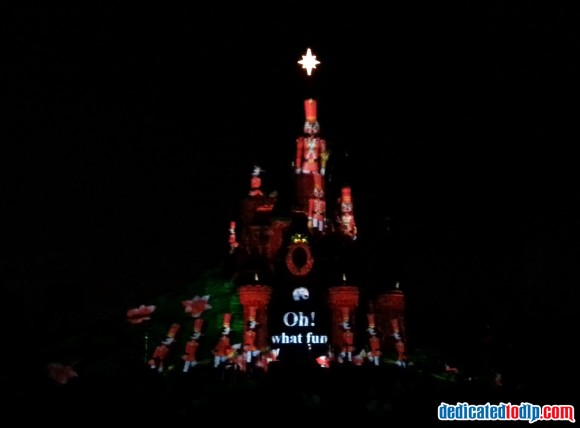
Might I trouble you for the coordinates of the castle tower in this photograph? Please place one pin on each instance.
(390, 316)
(343, 300)
(311, 159)
(255, 299)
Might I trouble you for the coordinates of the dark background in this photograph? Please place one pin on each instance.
(129, 135)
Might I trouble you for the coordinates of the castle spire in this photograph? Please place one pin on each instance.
(310, 167)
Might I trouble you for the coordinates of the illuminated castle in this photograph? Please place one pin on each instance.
(293, 270)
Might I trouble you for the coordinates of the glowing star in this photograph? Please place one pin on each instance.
(309, 61)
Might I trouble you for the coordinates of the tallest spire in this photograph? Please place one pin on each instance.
(311, 153)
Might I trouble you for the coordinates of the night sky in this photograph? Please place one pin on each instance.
(129, 135)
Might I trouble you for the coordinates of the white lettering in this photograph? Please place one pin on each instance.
(296, 339)
(293, 319)
(290, 319)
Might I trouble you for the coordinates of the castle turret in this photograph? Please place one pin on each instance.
(343, 301)
(255, 299)
(390, 313)
(311, 159)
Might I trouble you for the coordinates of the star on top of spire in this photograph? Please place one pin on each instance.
(309, 62)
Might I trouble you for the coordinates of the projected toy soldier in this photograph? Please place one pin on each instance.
(347, 338)
(399, 344)
(223, 349)
(158, 358)
(346, 219)
(250, 350)
(374, 342)
(267, 357)
(170, 339)
(232, 240)
(317, 205)
(190, 356)
(256, 182)
(311, 154)
(161, 352)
